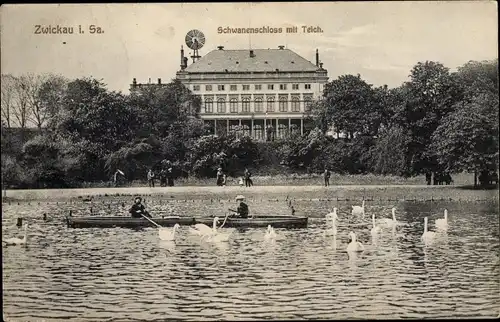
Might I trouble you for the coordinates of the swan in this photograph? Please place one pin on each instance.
(168, 234)
(211, 233)
(333, 217)
(427, 236)
(354, 246)
(376, 229)
(270, 234)
(442, 223)
(390, 222)
(357, 210)
(18, 241)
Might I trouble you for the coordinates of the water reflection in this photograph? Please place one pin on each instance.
(125, 274)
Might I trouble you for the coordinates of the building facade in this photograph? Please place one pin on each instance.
(264, 93)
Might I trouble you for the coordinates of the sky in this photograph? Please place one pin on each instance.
(381, 41)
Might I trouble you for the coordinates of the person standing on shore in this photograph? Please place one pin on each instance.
(248, 180)
(327, 174)
(220, 177)
(170, 177)
(151, 178)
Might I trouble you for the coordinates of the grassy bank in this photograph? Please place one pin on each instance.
(462, 179)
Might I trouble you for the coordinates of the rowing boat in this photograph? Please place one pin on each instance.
(129, 222)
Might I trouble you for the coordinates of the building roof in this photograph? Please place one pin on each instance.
(263, 60)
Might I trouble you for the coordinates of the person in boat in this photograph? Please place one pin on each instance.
(138, 208)
(242, 211)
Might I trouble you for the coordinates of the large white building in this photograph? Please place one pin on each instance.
(263, 92)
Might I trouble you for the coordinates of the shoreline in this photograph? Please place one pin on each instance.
(404, 192)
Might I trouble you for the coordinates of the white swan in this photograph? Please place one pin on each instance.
(427, 236)
(168, 234)
(390, 222)
(214, 235)
(375, 229)
(442, 223)
(333, 217)
(357, 210)
(354, 246)
(270, 234)
(18, 241)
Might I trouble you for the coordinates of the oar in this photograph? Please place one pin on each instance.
(227, 215)
(232, 210)
(150, 220)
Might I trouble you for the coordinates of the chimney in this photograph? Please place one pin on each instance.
(220, 47)
(159, 81)
(251, 53)
(134, 81)
(183, 65)
(149, 82)
(281, 47)
(321, 65)
(317, 58)
(185, 62)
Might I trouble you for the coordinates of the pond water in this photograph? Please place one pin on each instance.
(125, 275)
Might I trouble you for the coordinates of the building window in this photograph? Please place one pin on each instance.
(196, 87)
(283, 87)
(258, 87)
(282, 131)
(307, 86)
(246, 87)
(258, 131)
(209, 105)
(220, 87)
(259, 106)
(208, 88)
(295, 86)
(233, 105)
(270, 86)
(283, 104)
(245, 108)
(295, 104)
(307, 104)
(233, 87)
(270, 104)
(221, 105)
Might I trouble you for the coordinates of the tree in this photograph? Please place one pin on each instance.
(478, 78)
(350, 104)
(467, 139)
(50, 95)
(161, 106)
(389, 155)
(428, 97)
(20, 108)
(8, 92)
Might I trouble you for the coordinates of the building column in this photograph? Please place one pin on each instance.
(276, 130)
(251, 131)
(301, 126)
(289, 125)
(240, 121)
(265, 130)
(215, 127)
(227, 126)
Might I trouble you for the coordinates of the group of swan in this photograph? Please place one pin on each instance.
(441, 224)
(212, 234)
(356, 246)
